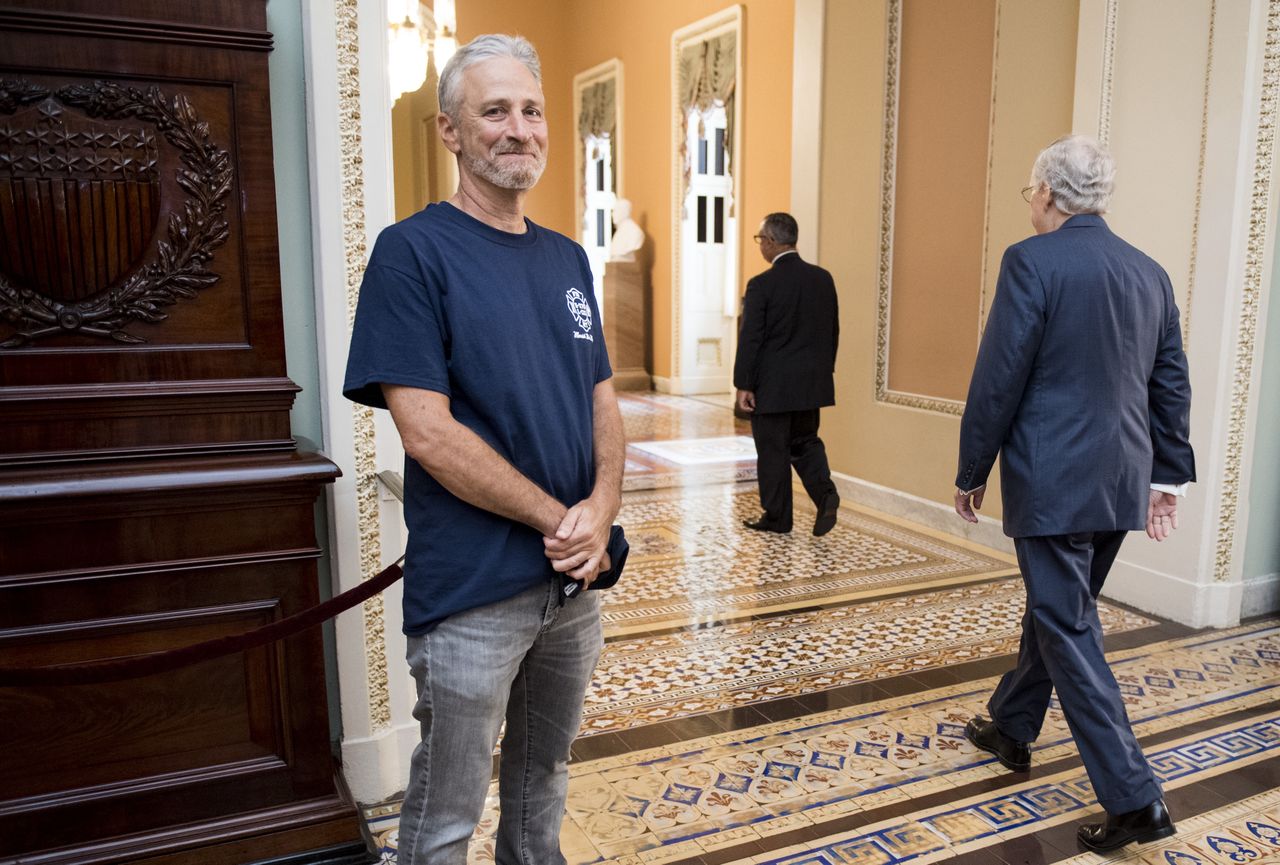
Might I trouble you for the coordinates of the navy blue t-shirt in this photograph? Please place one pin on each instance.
(506, 326)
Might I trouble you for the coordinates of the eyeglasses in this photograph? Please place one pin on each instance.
(757, 237)
(1028, 192)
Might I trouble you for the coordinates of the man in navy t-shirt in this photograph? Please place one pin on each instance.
(479, 331)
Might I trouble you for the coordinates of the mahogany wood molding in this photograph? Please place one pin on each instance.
(145, 419)
(37, 18)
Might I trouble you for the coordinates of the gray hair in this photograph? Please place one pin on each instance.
(781, 228)
(1079, 172)
(486, 47)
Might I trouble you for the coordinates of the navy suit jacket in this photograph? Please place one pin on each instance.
(790, 332)
(1080, 385)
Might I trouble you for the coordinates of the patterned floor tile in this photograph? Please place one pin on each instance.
(656, 416)
(694, 579)
(692, 560)
(925, 837)
(661, 418)
(1245, 831)
(647, 679)
(724, 789)
(701, 451)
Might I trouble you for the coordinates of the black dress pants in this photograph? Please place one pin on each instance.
(783, 440)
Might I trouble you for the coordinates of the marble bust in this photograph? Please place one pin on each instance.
(628, 237)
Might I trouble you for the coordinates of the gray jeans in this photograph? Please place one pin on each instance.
(526, 659)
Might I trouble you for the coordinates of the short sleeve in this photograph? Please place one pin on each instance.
(400, 334)
(602, 370)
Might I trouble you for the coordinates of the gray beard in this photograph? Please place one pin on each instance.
(505, 177)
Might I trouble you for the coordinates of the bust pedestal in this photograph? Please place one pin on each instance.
(626, 323)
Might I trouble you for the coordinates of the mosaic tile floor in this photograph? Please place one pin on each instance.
(726, 790)
(678, 441)
(800, 701)
(644, 679)
(1247, 831)
(692, 561)
(662, 417)
(940, 834)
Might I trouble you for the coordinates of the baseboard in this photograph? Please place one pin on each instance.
(943, 518)
(325, 831)
(1199, 605)
(347, 854)
(377, 767)
(631, 379)
(1261, 596)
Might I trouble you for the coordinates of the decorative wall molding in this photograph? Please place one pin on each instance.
(1108, 72)
(355, 247)
(888, 185)
(1204, 142)
(991, 150)
(1255, 255)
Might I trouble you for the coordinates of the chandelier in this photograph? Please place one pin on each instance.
(413, 34)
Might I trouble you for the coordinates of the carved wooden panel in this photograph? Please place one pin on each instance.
(137, 230)
(87, 736)
(113, 206)
(118, 560)
(151, 495)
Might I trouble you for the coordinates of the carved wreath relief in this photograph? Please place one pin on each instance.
(80, 206)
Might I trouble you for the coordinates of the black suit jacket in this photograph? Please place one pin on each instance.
(790, 330)
(1080, 385)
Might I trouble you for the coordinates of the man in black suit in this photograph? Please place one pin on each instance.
(1081, 386)
(783, 373)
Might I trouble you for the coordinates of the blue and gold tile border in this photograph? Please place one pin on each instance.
(937, 834)
(639, 807)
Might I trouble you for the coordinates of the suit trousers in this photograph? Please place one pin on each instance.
(783, 440)
(1062, 649)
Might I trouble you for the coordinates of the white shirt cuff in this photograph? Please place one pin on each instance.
(1175, 489)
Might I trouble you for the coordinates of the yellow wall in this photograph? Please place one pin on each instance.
(425, 170)
(550, 203)
(640, 36)
(898, 446)
(574, 35)
(944, 122)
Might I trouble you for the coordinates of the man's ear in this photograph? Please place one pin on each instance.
(448, 132)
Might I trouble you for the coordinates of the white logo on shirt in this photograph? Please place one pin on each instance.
(581, 312)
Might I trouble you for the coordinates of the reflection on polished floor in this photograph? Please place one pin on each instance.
(801, 701)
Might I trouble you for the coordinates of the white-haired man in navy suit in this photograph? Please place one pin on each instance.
(1081, 386)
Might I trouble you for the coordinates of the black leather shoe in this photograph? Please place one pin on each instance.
(1144, 826)
(762, 525)
(827, 511)
(1012, 754)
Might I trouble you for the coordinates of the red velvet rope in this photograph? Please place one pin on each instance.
(134, 666)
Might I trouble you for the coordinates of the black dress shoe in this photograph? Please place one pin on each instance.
(1012, 754)
(1144, 826)
(827, 511)
(762, 525)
